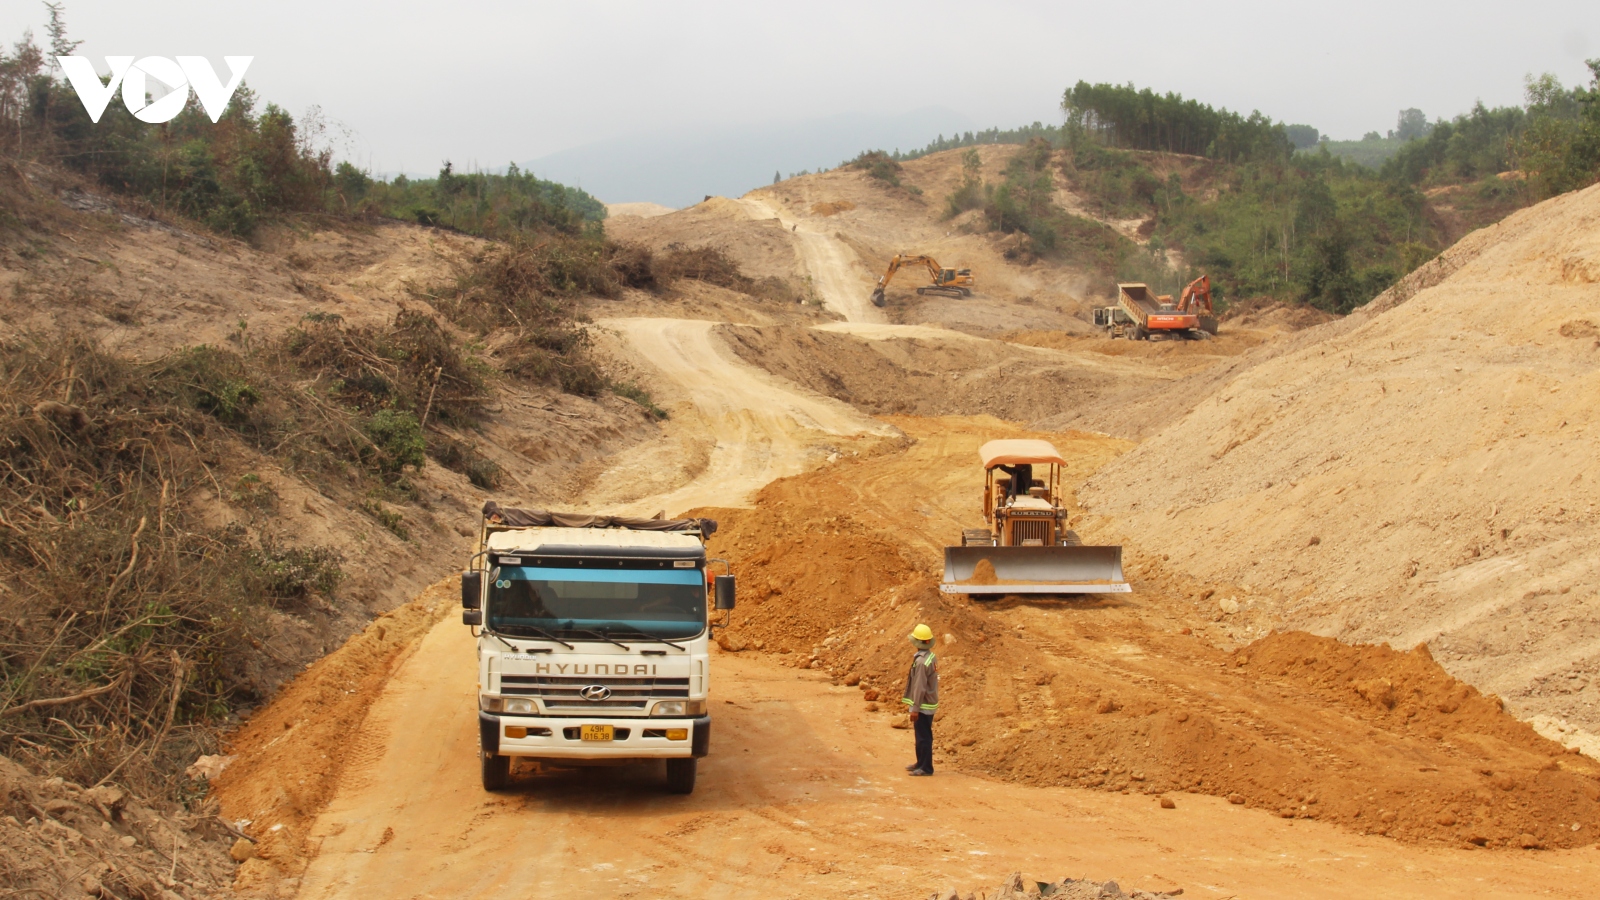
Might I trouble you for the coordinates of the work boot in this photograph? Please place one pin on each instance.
(920, 772)
(911, 768)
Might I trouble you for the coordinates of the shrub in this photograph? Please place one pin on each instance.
(640, 396)
(294, 573)
(880, 165)
(396, 441)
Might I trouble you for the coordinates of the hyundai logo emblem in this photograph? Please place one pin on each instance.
(595, 693)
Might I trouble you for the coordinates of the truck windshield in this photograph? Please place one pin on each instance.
(577, 603)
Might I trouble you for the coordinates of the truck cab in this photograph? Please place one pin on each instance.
(593, 645)
(1114, 320)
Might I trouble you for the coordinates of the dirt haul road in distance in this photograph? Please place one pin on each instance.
(734, 428)
(828, 261)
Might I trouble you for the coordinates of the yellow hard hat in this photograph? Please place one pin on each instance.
(922, 633)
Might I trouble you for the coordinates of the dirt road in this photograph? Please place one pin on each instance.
(802, 796)
(734, 428)
(827, 261)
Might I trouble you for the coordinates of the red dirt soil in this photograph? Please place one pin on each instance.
(1121, 693)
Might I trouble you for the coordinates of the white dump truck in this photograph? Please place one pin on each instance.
(593, 640)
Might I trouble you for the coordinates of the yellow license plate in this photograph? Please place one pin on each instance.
(598, 733)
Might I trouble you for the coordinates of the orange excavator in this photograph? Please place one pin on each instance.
(1196, 301)
(949, 282)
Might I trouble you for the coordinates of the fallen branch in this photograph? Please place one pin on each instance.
(60, 701)
(116, 582)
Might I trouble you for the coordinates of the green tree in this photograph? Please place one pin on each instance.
(1411, 124)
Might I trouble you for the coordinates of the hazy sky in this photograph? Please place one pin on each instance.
(416, 83)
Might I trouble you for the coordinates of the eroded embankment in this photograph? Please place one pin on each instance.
(292, 754)
(1123, 694)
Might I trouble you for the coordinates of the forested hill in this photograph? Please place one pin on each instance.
(1257, 203)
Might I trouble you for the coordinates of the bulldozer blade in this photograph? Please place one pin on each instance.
(1035, 570)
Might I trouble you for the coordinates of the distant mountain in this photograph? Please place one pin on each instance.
(679, 168)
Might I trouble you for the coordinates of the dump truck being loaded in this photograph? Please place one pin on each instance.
(1029, 549)
(1154, 317)
(593, 640)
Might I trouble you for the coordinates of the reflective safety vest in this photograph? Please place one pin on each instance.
(922, 684)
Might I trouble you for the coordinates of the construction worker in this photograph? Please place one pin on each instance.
(1021, 478)
(922, 697)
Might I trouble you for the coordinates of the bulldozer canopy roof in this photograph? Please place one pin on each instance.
(1017, 451)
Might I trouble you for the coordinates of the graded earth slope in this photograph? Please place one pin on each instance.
(1423, 471)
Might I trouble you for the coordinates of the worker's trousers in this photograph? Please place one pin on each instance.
(923, 729)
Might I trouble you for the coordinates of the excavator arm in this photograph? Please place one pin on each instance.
(1196, 298)
(943, 280)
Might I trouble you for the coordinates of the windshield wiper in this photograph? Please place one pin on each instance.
(537, 632)
(639, 635)
(601, 635)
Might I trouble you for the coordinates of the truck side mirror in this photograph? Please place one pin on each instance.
(472, 617)
(726, 586)
(471, 590)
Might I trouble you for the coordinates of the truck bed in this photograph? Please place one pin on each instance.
(1138, 301)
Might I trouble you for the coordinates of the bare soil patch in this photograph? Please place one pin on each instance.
(1421, 471)
(1131, 695)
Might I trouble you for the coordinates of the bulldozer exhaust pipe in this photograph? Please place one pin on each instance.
(1034, 570)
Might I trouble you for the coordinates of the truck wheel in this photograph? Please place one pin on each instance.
(496, 772)
(680, 775)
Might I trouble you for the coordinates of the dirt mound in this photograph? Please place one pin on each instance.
(933, 374)
(641, 210)
(1421, 471)
(1273, 315)
(760, 247)
(1120, 694)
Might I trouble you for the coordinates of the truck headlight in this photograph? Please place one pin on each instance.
(669, 708)
(518, 706)
(489, 704)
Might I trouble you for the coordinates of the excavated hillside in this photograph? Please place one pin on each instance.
(1424, 471)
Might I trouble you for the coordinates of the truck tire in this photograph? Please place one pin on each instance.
(680, 775)
(496, 771)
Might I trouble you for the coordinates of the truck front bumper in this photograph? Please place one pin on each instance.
(559, 738)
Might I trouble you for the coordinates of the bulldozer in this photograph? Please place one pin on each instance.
(949, 282)
(1027, 548)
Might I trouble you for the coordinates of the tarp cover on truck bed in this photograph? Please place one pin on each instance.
(515, 517)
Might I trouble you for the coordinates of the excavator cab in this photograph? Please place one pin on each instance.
(1028, 549)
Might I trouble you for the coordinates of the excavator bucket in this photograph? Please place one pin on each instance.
(877, 297)
(995, 571)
